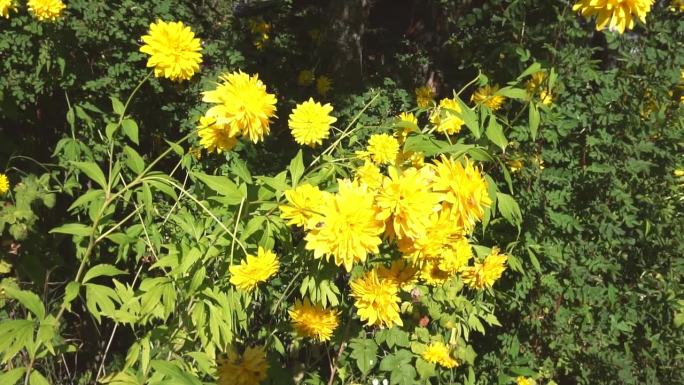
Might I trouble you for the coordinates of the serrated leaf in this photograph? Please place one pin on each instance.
(28, 299)
(71, 292)
(100, 300)
(12, 376)
(93, 172)
(37, 379)
(365, 353)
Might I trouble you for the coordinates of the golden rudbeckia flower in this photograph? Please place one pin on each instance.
(175, 52)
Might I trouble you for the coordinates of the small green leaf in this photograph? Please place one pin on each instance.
(130, 129)
(100, 270)
(93, 172)
(509, 209)
(534, 120)
(117, 106)
(73, 229)
(495, 133)
(29, 299)
(222, 185)
(11, 377)
(175, 147)
(365, 353)
(37, 379)
(533, 68)
(134, 161)
(87, 197)
(71, 291)
(513, 93)
(296, 168)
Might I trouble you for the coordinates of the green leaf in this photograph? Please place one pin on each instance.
(70, 293)
(37, 379)
(365, 353)
(175, 147)
(430, 146)
(392, 361)
(513, 93)
(110, 129)
(175, 373)
(11, 377)
(73, 229)
(533, 68)
(509, 209)
(534, 260)
(93, 172)
(130, 129)
(495, 133)
(404, 374)
(117, 106)
(222, 185)
(100, 270)
(469, 118)
(134, 161)
(296, 168)
(534, 120)
(87, 197)
(28, 299)
(425, 369)
(100, 300)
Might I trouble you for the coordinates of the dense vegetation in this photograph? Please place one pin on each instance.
(122, 236)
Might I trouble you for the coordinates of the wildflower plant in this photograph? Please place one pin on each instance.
(364, 248)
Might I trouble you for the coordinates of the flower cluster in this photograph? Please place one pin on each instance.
(4, 184)
(617, 15)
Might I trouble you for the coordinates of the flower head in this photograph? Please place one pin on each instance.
(440, 237)
(432, 275)
(537, 85)
(175, 52)
(6, 6)
(464, 189)
(446, 118)
(482, 275)
(4, 184)
(261, 31)
(370, 175)
(305, 203)
(323, 85)
(250, 369)
(406, 202)
(242, 104)
(455, 256)
(438, 353)
(310, 122)
(382, 148)
(213, 137)
(254, 270)
(348, 230)
(424, 96)
(313, 321)
(615, 14)
(407, 124)
(487, 95)
(400, 274)
(305, 78)
(46, 9)
(524, 381)
(376, 300)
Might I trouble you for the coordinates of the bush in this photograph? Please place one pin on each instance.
(161, 240)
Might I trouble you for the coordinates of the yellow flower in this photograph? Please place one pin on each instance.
(524, 381)
(305, 203)
(408, 123)
(515, 165)
(440, 237)
(614, 14)
(6, 6)
(432, 275)
(400, 274)
(46, 9)
(348, 230)
(261, 30)
(424, 96)
(370, 175)
(464, 189)
(383, 148)
(446, 117)
(242, 104)
(537, 85)
(310, 122)
(4, 184)
(376, 300)
(305, 78)
(486, 95)
(677, 5)
(250, 369)
(254, 270)
(438, 353)
(405, 203)
(455, 256)
(213, 137)
(323, 85)
(484, 274)
(313, 321)
(175, 52)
